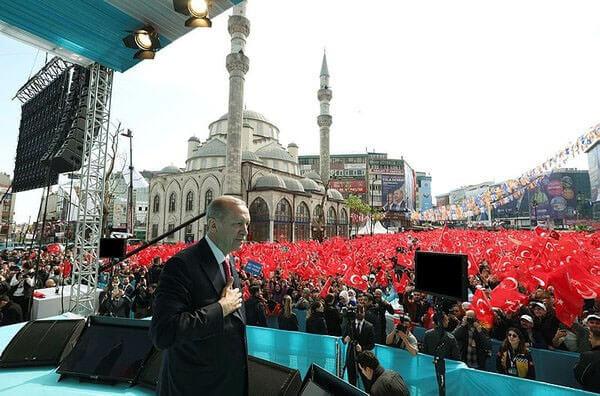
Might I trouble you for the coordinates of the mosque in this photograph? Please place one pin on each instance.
(242, 156)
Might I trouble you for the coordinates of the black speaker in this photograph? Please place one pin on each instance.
(320, 382)
(149, 374)
(267, 378)
(264, 378)
(113, 247)
(42, 343)
(109, 350)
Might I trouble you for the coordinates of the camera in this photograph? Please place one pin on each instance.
(401, 327)
(349, 312)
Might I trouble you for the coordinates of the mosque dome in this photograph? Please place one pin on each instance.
(334, 194)
(211, 148)
(313, 176)
(250, 156)
(170, 169)
(293, 185)
(310, 185)
(275, 151)
(270, 182)
(194, 139)
(248, 114)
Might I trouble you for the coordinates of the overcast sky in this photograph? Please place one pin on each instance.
(467, 90)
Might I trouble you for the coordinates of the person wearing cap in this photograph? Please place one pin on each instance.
(587, 370)
(401, 336)
(544, 322)
(513, 357)
(531, 336)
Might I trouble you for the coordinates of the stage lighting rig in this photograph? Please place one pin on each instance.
(197, 10)
(146, 40)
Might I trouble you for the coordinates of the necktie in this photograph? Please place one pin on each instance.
(226, 269)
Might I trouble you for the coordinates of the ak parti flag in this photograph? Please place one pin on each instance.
(483, 308)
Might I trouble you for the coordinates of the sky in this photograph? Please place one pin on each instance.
(466, 90)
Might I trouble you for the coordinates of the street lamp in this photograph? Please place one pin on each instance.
(130, 217)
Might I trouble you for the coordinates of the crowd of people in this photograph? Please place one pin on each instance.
(334, 306)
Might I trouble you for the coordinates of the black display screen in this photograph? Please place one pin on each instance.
(109, 349)
(441, 274)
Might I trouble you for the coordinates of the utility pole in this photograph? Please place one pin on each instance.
(130, 211)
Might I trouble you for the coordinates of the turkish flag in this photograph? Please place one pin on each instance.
(400, 286)
(325, 289)
(567, 301)
(506, 296)
(483, 308)
(355, 281)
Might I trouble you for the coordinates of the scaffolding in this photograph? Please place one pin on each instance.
(84, 277)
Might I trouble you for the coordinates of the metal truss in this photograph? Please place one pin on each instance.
(42, 79)
(83, 299)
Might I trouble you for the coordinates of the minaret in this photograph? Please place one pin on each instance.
(237, 65)
(324, 120)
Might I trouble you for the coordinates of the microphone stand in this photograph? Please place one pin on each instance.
(438, 358)
(154, 241)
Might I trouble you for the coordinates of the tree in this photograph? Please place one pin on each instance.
(111, 184)
(358, 209)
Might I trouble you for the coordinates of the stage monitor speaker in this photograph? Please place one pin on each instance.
(109, 350)
(267, 378)
(264, 377)
(42, 343)
(320, 382)
(149, 374)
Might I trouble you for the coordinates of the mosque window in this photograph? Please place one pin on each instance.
(259, 226)
(208, 197)
(302, 222)
(189, 201)
(172, 199)
(156, 204)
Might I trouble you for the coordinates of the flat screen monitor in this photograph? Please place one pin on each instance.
(113, 247)
(319, 381)
(109, 350)
(441, 274)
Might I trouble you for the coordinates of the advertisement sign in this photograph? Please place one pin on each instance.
(594, 171)
(393, 193)
(349, 186)
(554, 197)
(410, 187)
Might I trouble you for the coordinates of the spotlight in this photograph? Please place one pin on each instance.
(197, 10)
(144, 39)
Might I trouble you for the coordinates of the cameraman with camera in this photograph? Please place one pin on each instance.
(473, 341)
(401, 337)
(360, 336)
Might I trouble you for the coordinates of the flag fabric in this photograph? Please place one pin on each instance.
(355, 281)
(506, 296)
(400, 286)
(567, 301)
(325, 289)
(483, 308)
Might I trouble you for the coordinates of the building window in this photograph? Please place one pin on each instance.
(169, 229)
(156, 204)
(259, 226)
(302, 223)
(331, 223)
(283, 221)
(172, 199)
(343, 224)
(189, 234)
(154, 230)
(189, 201)
(208, 197)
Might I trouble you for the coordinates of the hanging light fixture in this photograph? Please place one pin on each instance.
(197, 10)
(145, 40)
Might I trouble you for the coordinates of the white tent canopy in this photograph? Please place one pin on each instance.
(378, 228)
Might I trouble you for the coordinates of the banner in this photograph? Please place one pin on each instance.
(349, 186)
(253, 268)
(393, 193)
(410, 187)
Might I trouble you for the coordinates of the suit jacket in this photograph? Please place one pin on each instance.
(204, 353)
(366, 338)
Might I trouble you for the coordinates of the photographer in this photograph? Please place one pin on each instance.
(21, 290)
(360, 336)
(438, 341)
(473, 341)
(401, 337)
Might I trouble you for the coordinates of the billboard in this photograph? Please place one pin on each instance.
(410, 187)
(349, 186)
(554, 197)
(393, 193)
(594, 169)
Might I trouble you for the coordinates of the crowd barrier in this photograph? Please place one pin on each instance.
(298, 350)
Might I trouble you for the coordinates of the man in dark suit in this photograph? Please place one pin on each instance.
(10, 312)
(360, 336)
(198, 317)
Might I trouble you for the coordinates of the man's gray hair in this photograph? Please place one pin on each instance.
(219, 207)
